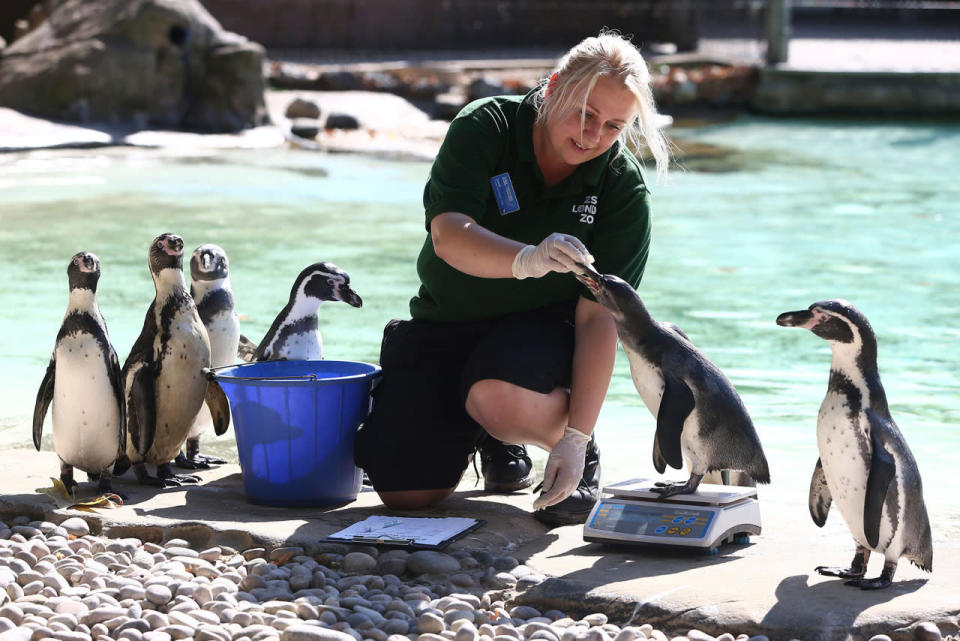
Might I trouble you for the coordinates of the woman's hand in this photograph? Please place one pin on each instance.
(555, 253)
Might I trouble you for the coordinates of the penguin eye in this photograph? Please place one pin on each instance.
(159, 244)
(330, 281)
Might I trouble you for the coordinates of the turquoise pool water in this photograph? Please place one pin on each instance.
(796, 212)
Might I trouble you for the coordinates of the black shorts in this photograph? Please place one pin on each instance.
(418, 435)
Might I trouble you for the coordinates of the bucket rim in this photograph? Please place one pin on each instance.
(214, 373)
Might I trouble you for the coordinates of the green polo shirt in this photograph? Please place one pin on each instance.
(604, 203)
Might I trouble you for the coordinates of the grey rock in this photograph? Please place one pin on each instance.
(344, 121)
(431, 562)
(631, 634)
(302, 108)
(458, 615)
(462, 579)
(503, 580)
(395, 626)
(358, 562)
(430, 623)
(927, 631)
(530, 580)
(524, 612)
(395, 566)
(158, 594)
(76, 526)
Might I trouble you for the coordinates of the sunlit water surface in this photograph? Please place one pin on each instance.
(799, 212)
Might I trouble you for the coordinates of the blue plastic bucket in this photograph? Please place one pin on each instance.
(295, 423)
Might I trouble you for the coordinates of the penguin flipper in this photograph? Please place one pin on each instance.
(246, 349)
(675, 328)
(675, 406)
(142, 410)
(882, 470)
(219, 407)
(820, 497)
(44, 397)
(116, 382)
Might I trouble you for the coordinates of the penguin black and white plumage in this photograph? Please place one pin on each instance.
(700, 416)
(294, 334)
(865, 466)
(83, 383)
(164, 381)
(213, 295)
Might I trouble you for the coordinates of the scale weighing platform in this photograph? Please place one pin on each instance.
(633, 515)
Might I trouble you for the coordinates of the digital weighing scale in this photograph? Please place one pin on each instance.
(632, 514)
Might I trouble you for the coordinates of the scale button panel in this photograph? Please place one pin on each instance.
(674, 521)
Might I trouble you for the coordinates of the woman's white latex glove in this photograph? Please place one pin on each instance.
(564, 468)
(555, 253)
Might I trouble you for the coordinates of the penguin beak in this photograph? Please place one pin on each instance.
(803, 319)
(349, 296)
(590, 277)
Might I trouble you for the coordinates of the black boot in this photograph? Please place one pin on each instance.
(576, 507)
(505, 467)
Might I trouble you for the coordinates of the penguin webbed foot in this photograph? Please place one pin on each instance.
(870, 584)
(195, 463)
(107, 488)
(165, 473)
(665, 489)
(70, 484)
(144, 478)
(843, 573)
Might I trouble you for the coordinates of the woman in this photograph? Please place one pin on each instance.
(502, 341)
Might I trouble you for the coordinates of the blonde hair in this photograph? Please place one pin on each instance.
(608, 55)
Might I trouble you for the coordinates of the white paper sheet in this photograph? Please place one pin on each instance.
(401, 530)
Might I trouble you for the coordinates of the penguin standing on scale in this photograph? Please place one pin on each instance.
(164, 384)
(295, 334)
(700, 416)
(213, 295)
(865, 465)
(83, 383)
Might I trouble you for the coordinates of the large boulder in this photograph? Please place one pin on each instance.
(137, 63)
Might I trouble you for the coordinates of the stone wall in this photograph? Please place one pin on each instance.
(789, 92)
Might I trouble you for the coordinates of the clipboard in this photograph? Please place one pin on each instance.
(419, 533)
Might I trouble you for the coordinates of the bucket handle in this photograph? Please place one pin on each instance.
(211, 374)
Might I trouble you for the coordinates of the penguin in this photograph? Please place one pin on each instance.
(294, 334)
(211, 291)
(700, 416)
(865, 465)
(164, 385)
(83, 383)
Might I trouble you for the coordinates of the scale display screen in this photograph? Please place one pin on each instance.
(646, 520)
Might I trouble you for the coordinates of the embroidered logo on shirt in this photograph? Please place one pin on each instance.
(587, 210)
(504, 193)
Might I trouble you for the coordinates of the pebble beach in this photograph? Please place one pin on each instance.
(61, 582)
